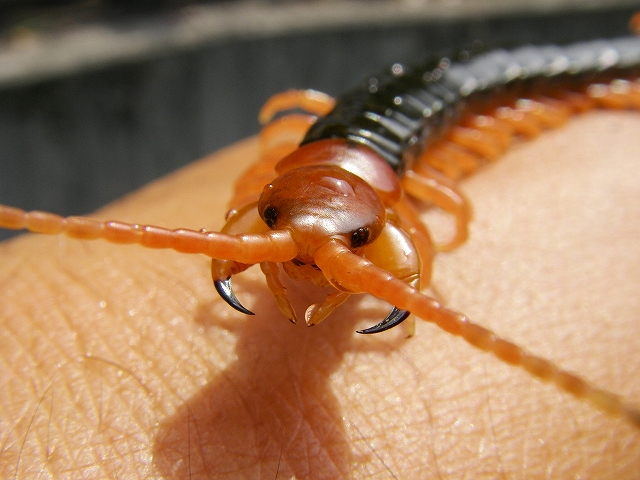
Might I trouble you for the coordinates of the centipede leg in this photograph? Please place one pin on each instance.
(279, 137)
(271, 273)
(499, 130)
(481, 142)
(282, 136)
(618, 94)
(319, 311)
(450, 159)
(311, 101)
(441, 191)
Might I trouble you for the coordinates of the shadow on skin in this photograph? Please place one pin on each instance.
(271, 413)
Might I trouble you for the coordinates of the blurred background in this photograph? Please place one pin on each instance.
(99, 97)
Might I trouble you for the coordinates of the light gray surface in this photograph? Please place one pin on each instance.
(36, 55)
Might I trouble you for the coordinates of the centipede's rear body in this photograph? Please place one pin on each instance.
(401, 111)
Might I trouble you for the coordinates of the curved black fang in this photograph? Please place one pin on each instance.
(394, 318)
(223, 287)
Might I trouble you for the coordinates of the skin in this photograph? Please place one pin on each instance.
(122, 362)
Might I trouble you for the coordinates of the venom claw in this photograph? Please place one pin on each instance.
(223, 287)
(394, 318)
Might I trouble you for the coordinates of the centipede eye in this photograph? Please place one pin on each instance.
(270, 216)
(359, 237)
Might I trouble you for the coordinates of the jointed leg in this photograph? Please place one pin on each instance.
(271, 273)
(440, 191)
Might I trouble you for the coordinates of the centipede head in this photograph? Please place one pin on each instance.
(318, 203)
(315, 205)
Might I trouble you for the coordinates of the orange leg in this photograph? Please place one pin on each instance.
(319, 311)
(441, 191)
(311, 101)
(548, 114)
(619, 94)
(480, 142)
(500, 130)
(450, 159)
(282, 136)
(279, 137)
(271, 273)
(523, 122)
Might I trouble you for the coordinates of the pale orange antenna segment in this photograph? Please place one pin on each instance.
(311, 101)
(355, 274)
(273, 246)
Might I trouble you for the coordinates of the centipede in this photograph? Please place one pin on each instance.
(332, 199)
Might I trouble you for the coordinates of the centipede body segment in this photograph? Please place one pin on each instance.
(332, 200)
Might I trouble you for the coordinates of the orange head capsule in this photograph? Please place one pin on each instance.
(322, 202)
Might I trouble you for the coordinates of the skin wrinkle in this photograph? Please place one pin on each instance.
(33, 417)
(177, 361)
(318, 439)
(448, 448)
(131, 375)
(24, 414)
(298, 395)
(257, 422)
(387, 430)
(199, 444)
(489, 410)
(77, 459)
(375, 435)
(419, 380)
(248, 409)
(375, 452)
(301, 425)
(67, 316)
(62, 315)
(99, 398)
(8, 362)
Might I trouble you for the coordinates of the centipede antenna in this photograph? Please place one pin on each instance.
(277, 246)
(358, 274)
(395, 317)
(224, 289)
